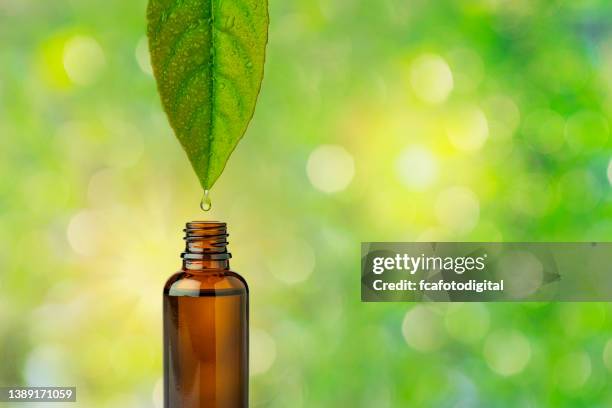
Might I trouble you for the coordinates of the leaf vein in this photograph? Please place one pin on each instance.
(185, 84)
(168, 13)
(236, 40)
(177, 43)
(236, 89)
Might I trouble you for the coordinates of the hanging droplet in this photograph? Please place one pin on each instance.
(206, 203)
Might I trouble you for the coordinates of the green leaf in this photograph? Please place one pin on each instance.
(208, 58)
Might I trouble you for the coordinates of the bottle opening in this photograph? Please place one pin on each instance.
(206, 240)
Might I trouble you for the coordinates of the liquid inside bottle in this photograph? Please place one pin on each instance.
(206, 325)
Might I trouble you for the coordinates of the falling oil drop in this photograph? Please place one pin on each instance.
(206, 203)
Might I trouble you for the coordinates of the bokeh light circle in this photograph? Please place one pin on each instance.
(458, 209)
(102, 188)
(417, 168)
(431, 78)
(467, 68)
(467, 322)
(330, 168)
(294, 262)
(573, 371)
(522, 273)
(544, 130)
(533, 195)
(507, 352)
(580, 191)
(143, 58)
(503, 117)
(263, 351)
(422, 329)
(45, 365)
(83, 59)
(83, 232)
(157, 394)
(467, 129)
(607, 355)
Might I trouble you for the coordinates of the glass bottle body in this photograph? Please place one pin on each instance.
(206, 324)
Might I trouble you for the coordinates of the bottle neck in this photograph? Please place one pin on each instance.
(205, 246)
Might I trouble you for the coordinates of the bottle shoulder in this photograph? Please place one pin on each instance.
(193, 283)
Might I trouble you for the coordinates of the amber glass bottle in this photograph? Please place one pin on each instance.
(206, 325)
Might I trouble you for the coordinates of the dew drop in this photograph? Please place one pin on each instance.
(229, 22)
(206, 203)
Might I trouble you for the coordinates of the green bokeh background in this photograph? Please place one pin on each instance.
(378, 121)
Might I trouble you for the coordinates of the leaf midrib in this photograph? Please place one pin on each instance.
(211, 126)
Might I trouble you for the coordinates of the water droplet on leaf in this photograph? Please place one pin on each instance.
(229, 22)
